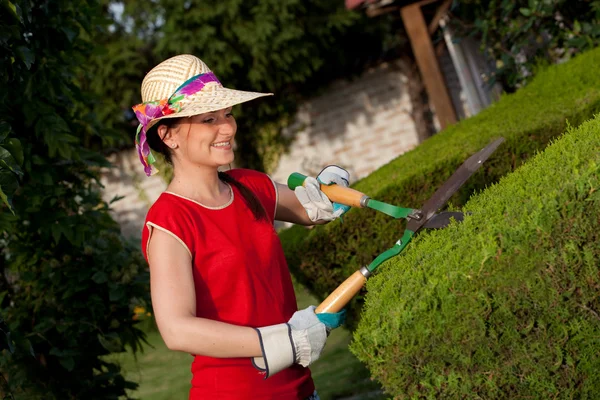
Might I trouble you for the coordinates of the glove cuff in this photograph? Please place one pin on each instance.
(277, 349)
(301, 341)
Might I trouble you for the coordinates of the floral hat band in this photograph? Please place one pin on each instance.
(150, 111)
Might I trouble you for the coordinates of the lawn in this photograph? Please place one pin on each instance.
(165, 375)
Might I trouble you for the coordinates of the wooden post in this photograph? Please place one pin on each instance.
(418, 33)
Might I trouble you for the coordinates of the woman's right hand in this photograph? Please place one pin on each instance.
(299, 341)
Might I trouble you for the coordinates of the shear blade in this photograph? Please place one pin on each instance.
(451, 186)
(443, 219)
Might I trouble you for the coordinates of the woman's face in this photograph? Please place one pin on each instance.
(205, 139)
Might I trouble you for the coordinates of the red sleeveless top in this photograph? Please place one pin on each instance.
(241, 277)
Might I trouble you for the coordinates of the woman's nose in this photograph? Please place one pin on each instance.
(228, 125)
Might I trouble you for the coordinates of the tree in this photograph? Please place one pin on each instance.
(68, 279)
(292, 48)
(519, 35)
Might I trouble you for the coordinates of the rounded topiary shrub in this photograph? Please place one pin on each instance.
(506, 304)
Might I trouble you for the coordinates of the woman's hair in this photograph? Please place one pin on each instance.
(157, 145)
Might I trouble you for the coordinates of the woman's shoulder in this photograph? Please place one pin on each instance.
(166, 205)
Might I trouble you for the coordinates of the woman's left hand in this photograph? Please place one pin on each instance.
(315, 202)
(332, 174)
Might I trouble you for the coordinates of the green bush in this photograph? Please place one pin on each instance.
(69, 282)
(504, 305)
(324, 257)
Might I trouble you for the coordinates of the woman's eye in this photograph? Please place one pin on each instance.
(229, 115)
(208, 120)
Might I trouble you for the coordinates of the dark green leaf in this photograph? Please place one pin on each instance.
(67, 362)
(110, 342)
(13, 10)
(116, 293)
(8, 162)
(525, 11)
(5, 130)
(56, 232)
(26, 55)
(8, 185)
(115, 199)
(5, 199)
(70, 33)
(9, 343)
(14, 147)
(100, 277)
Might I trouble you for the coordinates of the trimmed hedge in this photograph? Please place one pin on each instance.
(324, 257)
(506, 304)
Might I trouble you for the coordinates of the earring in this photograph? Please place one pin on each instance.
(173, 145)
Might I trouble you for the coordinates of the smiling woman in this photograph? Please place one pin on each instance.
(220, 285)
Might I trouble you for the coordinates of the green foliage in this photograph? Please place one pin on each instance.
(11, 160)
(504, 305)
(292, 48)
(325, 256)
(68, 280)
(519, 35)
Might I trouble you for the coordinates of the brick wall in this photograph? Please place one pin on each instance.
(360, 125)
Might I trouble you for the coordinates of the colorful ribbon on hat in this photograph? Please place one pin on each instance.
(150, 110)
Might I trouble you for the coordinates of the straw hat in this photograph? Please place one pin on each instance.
(164, 79)
(181, 86)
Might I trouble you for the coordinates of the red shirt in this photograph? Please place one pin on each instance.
(241, 277)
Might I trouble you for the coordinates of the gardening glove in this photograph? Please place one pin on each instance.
(315, 202)
(338, 175)
(299, 341)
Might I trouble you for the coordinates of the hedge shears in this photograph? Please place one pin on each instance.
(425, 217)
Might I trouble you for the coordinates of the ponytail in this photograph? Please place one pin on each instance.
(249, 198)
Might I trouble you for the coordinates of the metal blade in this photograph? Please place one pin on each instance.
(451, 186)
(442, 219)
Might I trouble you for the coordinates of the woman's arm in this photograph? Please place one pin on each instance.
(289, 208)
(174, 303)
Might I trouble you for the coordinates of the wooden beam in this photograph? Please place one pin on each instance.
(423, 3)
(437, 91)
(439, 14)
(377, 11)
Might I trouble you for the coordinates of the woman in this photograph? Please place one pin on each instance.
(220, 286)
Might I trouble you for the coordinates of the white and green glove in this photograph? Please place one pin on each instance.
(315, 202)
(299, 341)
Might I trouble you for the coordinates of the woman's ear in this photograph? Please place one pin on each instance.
(163, 132)
(166, 135)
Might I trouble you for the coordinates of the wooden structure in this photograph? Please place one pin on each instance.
(419, 33)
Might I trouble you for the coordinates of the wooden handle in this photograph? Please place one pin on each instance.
(343, 294)
(335, 193)
(344, 195)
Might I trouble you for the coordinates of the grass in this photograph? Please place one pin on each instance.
(165, 375)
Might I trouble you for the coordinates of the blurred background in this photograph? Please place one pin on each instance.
(357, 83)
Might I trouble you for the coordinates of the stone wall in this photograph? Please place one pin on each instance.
(359, 125)
(128, 180)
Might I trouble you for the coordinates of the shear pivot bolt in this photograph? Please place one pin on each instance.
(416, 215)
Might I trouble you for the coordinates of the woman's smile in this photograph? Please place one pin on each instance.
(222, 145)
